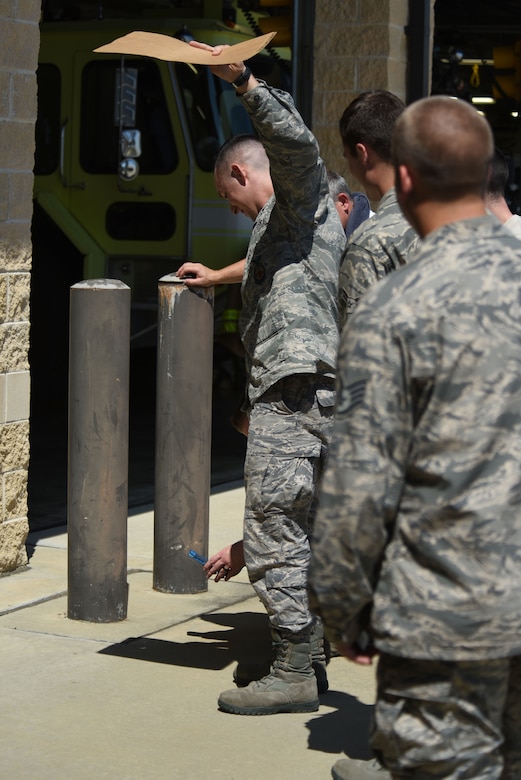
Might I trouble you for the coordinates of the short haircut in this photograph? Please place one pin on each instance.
(370, 119)
(498, 175)
(337, 184)
(447, 143)
(242, 149)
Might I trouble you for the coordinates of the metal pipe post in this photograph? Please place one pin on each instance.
(419, 49)
(183, 435)
(97, 503)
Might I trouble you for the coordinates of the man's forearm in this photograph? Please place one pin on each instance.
(199, 275)
(230, 274)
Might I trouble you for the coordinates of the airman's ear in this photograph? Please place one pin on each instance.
(362, 153)
(344, 201)
(238, 173)
(404, 182)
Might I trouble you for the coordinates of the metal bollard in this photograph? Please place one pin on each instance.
(97, 503)
(183, 435)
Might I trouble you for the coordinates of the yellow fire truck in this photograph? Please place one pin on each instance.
(125, 149)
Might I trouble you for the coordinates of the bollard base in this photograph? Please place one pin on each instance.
(176, 589)
(113, 609)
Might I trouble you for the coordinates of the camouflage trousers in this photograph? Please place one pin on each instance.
(288, 437)
(449, 719)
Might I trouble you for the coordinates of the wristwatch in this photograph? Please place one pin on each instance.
(242, 79)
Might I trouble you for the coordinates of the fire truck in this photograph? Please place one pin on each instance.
(125, 148)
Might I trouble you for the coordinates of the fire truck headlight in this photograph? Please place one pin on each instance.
(128, 169)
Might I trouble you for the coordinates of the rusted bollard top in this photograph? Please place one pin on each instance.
(171, 279)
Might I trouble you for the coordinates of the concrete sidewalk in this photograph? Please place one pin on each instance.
(138, 699)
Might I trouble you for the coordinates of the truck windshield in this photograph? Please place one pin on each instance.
(213, 112)
(99, 144)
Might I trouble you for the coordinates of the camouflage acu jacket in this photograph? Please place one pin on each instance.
(289, 318)
(419, 524)
(376, 248)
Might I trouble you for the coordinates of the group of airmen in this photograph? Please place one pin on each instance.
(383, 407)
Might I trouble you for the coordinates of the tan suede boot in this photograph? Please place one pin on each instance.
(245, 673)
(290, 686)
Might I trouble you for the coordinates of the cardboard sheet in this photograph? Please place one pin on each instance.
(163, 47)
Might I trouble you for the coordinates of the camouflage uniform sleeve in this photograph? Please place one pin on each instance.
(357, 274)
(297, 171)
(364, 477)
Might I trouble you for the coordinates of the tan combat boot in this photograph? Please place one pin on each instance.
(355, 769)
(319, 659)
(290, 686)
(246, 673)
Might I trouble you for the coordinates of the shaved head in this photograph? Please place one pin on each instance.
(243, 150)
(242, 175)
(447, 144)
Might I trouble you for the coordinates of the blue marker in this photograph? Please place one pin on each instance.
(197, 557)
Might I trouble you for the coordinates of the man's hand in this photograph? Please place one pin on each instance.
(227, 73)
(226, 563)
(355, 654)
(202, 276)
(197, 275)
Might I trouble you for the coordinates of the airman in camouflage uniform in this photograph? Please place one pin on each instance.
(387, 241)
(417, 543)
(289, 330)
(495, 200)
(353, 208)
(376, 248)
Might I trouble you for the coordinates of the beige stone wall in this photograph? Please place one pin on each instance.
(359, 45)
(18, 59)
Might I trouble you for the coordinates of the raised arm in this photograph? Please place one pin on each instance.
(297, 172)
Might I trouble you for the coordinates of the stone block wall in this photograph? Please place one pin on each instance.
(18, 60)
(359, 45)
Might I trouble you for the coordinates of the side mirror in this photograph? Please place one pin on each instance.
(130, 143)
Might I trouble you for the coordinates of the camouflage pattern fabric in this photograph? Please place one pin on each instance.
(287, 445)
(289, 328)
(376, 248)
(439, 720)
(289, 317)
(418, 533)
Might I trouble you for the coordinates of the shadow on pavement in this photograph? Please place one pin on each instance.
(245, 641)
(344, 730)
(243, 638)
(197, 655)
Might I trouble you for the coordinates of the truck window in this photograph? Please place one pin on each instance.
(214, 114)
(234, 119)
(99, 142)
(47, 131)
